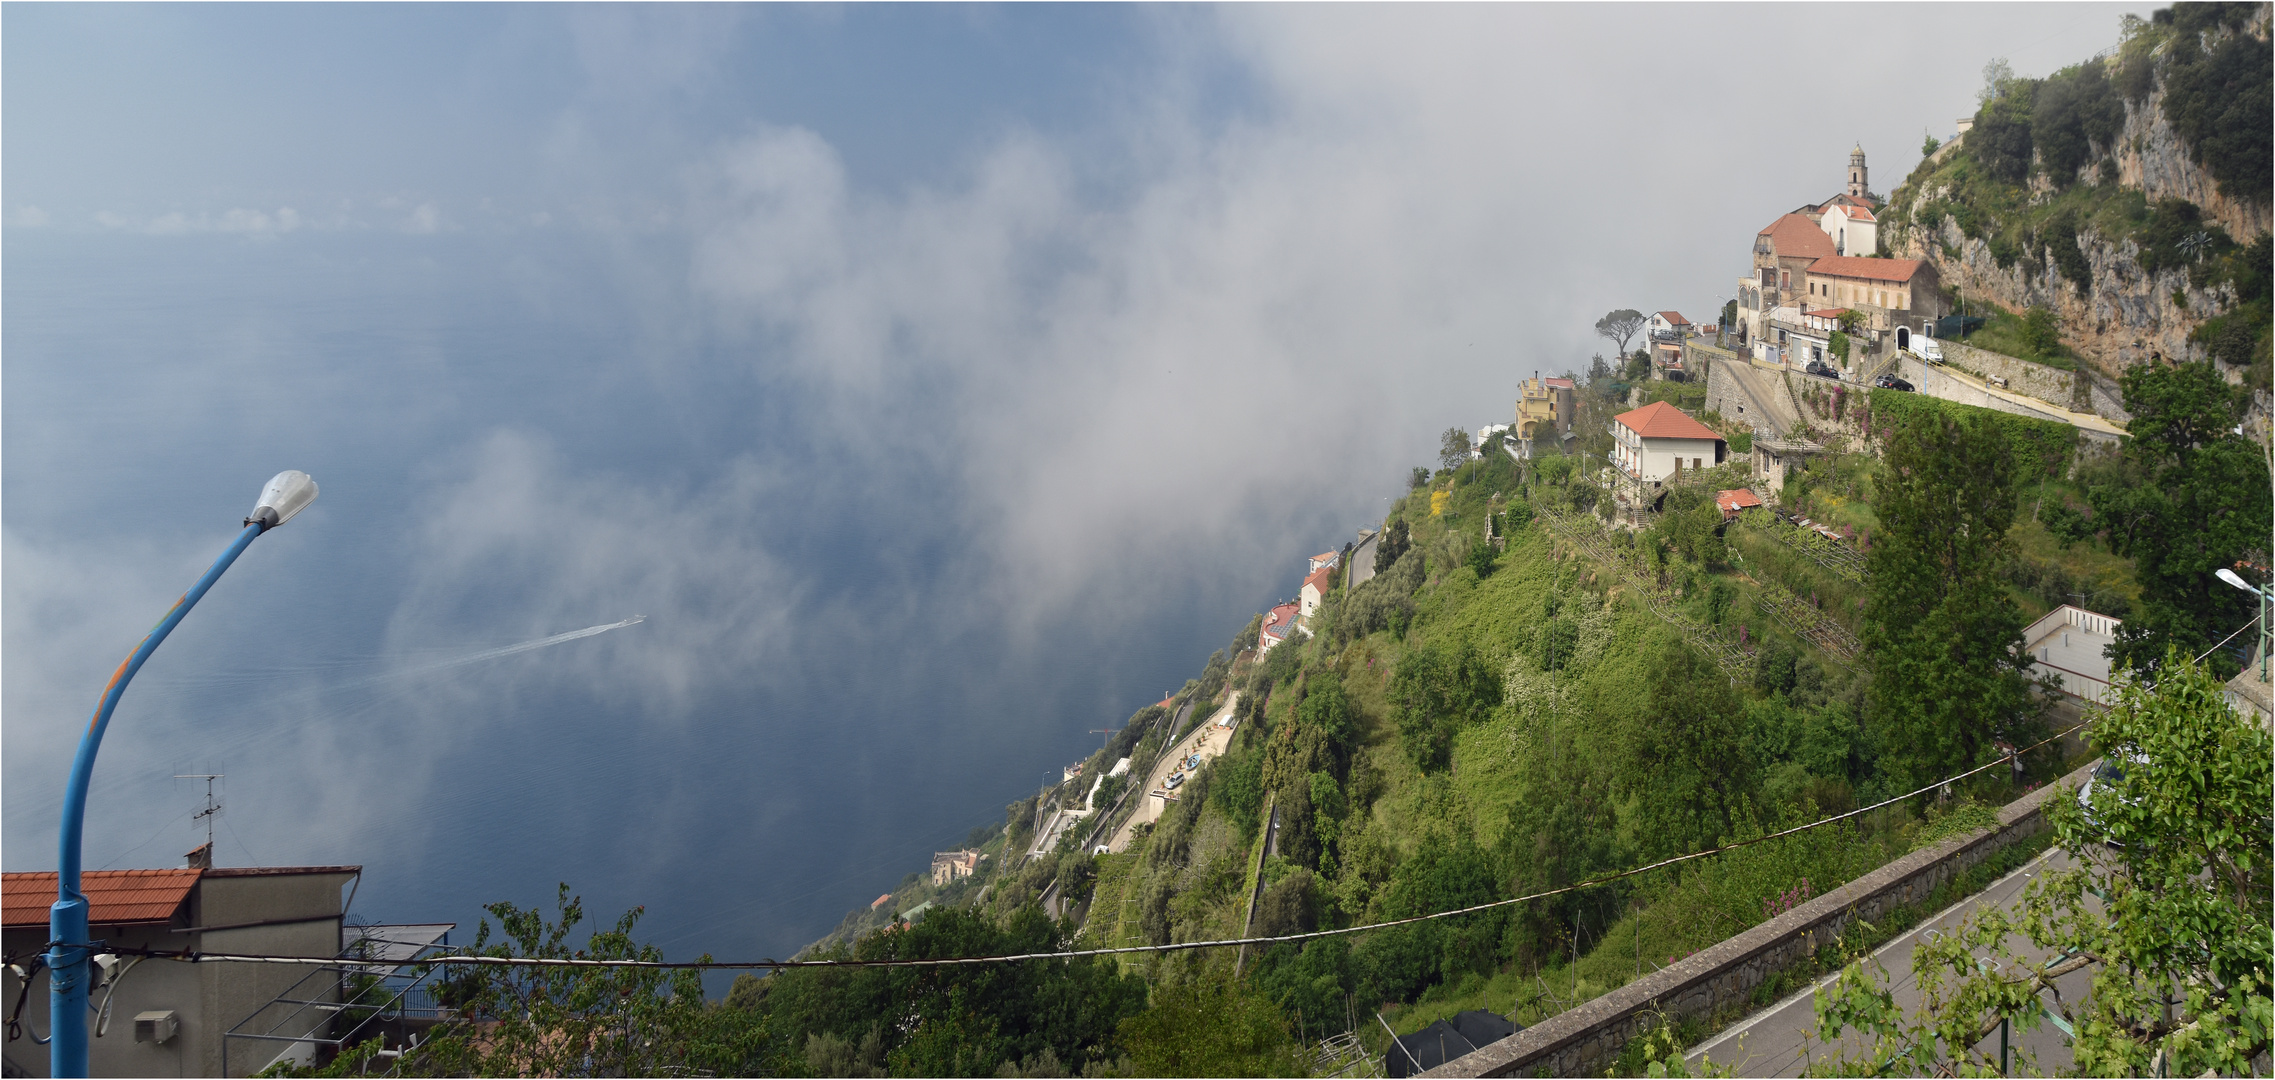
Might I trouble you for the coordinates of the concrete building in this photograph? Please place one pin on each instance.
(1776, 459)
(170, 1018)
(1658, 440)
(2068, 644)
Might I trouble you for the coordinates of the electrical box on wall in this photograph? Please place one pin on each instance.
(156, 1026)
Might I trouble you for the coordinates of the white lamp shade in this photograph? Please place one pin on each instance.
(287, 493)
(2235, 579)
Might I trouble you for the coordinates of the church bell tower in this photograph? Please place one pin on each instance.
(1858, 186)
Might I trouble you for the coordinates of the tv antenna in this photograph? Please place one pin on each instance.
(212, 808)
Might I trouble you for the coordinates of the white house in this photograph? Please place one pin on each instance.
(1666, 324)
(1659, 440)
(1315, 588)
(2067, 644)
(1854, 230)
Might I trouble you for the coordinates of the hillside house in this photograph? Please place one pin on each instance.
(2067, 644)
(1666, 324)
(1658, 440)
(1736, 501)
(949, 866)
(1278, 623)
(1544, 410)
(1889, 293)
(172, 1019)
(1322, 561)
(1783, 252)
(1316, 586)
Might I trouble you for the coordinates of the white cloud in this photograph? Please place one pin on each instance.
(29, 217)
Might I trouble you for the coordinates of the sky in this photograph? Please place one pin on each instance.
(942, 382)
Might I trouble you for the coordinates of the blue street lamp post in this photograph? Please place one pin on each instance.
(69, 950)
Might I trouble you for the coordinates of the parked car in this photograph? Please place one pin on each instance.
(1174, 780)
(1890, 382)
(2109, 776)
(1928, 349)
(1823, 370)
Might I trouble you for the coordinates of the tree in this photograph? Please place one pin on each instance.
(1435, 692)
(615, 1021)
(1930, 145)
(1620, 325)
(1453, 448)
(1418, 477)
(1945, 639)
(1729, 313)
(2167, 901)
(1213, 1027)
(1395, 540)
(2192, 498)
(2041, 330)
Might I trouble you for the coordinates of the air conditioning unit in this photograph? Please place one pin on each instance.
(156, 1026)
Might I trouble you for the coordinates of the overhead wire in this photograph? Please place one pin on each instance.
(192, 956)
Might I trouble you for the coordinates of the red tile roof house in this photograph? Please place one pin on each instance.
(1658, 440)
(278, 911)
(1736, 501)
(1316, 586)
(1278, 622)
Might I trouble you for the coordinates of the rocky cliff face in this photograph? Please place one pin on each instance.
(2124, 315)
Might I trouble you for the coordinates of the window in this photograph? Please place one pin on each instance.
(1694, 463)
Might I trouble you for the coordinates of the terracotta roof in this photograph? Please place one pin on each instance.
(1559, 382)
(1795, 236)
(1280, 620)
(1857, 213)
(1320, 578)
(1736, 499)
(1849, 266)
(113, 896)
(1660, 420)
(1325, 555)
(1675, 317)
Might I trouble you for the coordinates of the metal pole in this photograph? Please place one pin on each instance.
(68, 949)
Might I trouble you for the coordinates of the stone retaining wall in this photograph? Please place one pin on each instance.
(1584, 1040)
(2049, 384)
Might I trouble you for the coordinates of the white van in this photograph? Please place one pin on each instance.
(1928, 349)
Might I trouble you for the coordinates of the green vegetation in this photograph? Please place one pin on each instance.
(2064, 129)
(2186, 498)
(1950, 675)
(2174, 856)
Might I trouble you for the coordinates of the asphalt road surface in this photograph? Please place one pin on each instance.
(1781, 1040)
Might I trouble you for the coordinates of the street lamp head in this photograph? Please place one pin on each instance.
(2232, 578)
(288, 493)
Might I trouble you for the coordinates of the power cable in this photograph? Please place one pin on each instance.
(1071, 954)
